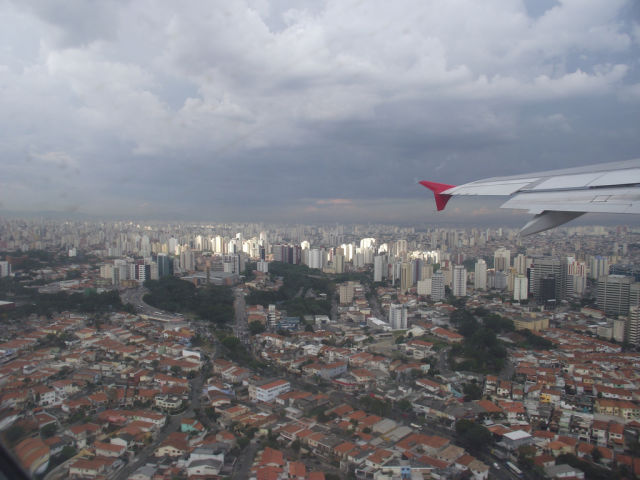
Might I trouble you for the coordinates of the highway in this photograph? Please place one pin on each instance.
(134, 296)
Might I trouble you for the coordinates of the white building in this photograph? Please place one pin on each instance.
(379, 264)
(269, 391)
(398, 316)
(520, 288)
(480, 277)
(424, 287)
(5, 269)
(316, 258)
(520, 264)
(459, 281)
(501, 259)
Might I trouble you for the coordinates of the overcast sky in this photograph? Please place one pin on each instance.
(306, 111)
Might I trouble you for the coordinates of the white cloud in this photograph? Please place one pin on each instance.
(334, 84)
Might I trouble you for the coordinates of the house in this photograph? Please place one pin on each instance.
(326, 371)
(175, 445)
(81, 433)
(418, 349)
(33, 454)
(269, 391)
(563, 471)
(168, 402)
(109, 449)
(89, 468)
(188, 425)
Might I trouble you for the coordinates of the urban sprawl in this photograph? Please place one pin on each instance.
(252, 351)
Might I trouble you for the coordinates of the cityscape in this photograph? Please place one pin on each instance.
(320, 240)
(150, 350)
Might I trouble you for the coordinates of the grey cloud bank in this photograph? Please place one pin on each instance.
(286, 111)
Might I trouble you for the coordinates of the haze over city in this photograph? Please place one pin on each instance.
(306, 111)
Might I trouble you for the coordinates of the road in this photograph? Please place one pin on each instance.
(245, 460)
(134, 296)
(172, 425)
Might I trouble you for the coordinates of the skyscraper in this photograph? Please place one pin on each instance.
(549, 268)
(437, 286)
(616, 294)
(398, 316)
(480, 277)
(5, 269)
(501, 259)
(379, 267)
(520, 264)
(316, 258)
(459, 281)
(405, 277)
(165, 265)
(632, 327)
(598, 267)
(520, 288)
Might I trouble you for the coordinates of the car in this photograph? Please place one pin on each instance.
(496, 466)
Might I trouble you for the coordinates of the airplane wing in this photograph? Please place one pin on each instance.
(557, 196)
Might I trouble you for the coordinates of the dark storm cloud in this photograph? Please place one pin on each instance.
(282, 110)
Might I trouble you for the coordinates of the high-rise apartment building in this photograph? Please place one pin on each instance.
(501, 259)
(632, 327)
(548, 271)
(405, 277)
(616, 294)
(480, 275)
(316, 258)
(598, 267)
(5, 269)
(379, 267)
(437, 287)
(398, 316)
(165, 265)
(459, 281)
(520, 288)
(424, 287)
(338, 262)
(346, 293)
(520, 264)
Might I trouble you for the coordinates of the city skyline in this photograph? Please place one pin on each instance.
(318, 112)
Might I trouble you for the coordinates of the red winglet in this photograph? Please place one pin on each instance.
(436, 188)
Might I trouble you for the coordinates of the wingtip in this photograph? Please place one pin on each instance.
(437, 189)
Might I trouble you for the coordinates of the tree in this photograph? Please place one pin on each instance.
(473, 436)
(472, 391)
(596, 455)
(256, 327)
(67, 452)
(48, 430)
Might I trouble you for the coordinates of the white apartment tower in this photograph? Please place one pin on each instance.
(520, 264)
(632, 333)
(398, 316)
(316, 257)
(459, 281)
(520, 288)
(501, 259)
(480, 277)
(379, 264)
